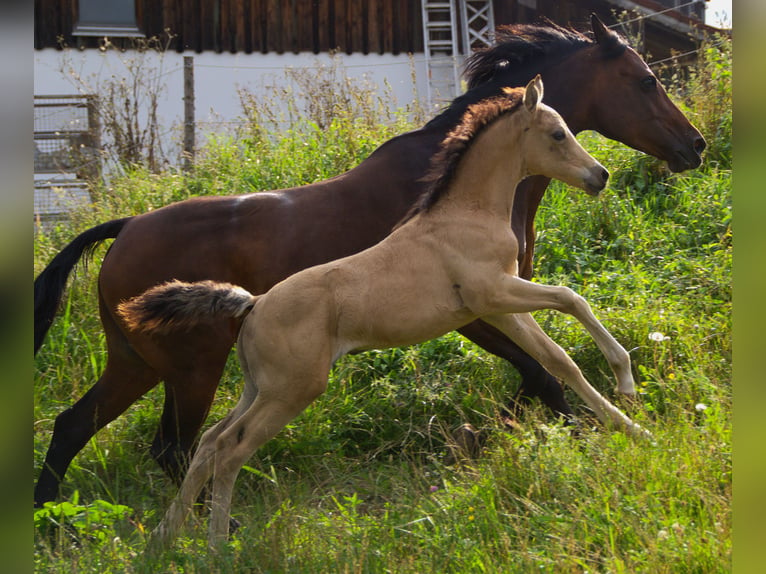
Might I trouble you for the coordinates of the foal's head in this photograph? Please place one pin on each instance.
(550, 149)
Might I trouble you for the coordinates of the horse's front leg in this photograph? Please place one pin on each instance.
(535, 380)
(521, 296)
(523, 330)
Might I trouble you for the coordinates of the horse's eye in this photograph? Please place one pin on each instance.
(649, 83)
(559, 135)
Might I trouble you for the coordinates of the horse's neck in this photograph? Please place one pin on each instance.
(395, 171)
(490, 170)
(567, 90)
(410, 151)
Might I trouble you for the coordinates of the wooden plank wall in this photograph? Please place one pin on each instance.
(350, 26)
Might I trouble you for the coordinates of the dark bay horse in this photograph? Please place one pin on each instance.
(453, 259)
(256, 240)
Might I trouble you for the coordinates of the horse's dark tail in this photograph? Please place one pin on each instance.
(50, 283)
(179, 305)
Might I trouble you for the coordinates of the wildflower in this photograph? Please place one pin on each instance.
(657, 336)
(700, 407)
(433, 488)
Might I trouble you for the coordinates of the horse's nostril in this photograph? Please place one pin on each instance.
(604, 175)
(700, 144)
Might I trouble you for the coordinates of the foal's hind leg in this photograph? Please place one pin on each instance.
(523, 329)
(269, 413)
(200, 470)
(285, 388)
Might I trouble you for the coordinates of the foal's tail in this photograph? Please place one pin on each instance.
(179, 305)
(50, 283)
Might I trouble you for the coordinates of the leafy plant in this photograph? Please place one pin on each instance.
(95, 522)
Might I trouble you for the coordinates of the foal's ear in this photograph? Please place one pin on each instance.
(599, 30)
(534, 93)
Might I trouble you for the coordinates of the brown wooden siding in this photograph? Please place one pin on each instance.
(350, 26)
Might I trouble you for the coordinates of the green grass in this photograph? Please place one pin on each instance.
(366, 479)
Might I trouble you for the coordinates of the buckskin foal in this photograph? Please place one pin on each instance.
(451, 261)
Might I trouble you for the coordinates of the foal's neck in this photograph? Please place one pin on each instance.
(490, 170)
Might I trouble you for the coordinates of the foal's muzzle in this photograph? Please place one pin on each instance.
(596, 179)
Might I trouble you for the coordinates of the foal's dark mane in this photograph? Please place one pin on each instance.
(445, 162)
(517, 56)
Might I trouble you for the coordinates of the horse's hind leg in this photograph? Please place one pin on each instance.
(188, 396)
(190, 364)
(121, 383)
(523, 329)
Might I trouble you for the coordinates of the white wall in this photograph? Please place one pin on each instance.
(217, 79)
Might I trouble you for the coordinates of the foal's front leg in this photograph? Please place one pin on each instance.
(525, 332)
(518, 295)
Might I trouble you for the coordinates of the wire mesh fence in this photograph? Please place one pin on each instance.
(66, 154)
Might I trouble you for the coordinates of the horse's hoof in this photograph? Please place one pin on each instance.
(466, 443)
(234, 525)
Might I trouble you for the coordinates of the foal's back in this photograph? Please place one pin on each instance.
(399, 292)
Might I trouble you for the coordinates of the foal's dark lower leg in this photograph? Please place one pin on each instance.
(535, 380)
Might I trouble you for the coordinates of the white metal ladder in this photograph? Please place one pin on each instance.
(440, 42)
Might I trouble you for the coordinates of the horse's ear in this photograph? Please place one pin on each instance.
(599, 30)
(534, 93)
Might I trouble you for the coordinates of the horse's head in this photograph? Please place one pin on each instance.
(550, 148)
(596, 83)
(630, 105)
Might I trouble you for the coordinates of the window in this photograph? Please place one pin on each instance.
(106, 18)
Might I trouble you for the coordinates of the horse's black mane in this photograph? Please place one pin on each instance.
(445, 162)
(519, 53)
(517, 56)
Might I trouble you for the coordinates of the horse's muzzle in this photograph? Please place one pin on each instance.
(689, 158)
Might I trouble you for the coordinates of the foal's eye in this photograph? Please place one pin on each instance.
(559, 135)
(649, 83)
